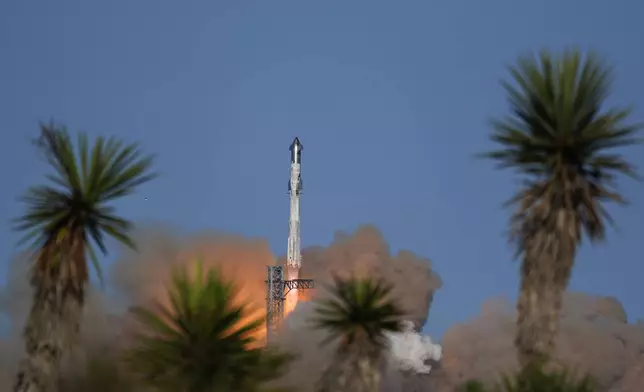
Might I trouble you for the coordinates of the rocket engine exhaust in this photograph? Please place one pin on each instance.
(292, 296)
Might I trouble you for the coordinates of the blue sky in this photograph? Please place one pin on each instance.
(390, 99)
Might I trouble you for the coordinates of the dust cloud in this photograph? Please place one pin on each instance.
(364, 252)
(595, 335)
(141, 277)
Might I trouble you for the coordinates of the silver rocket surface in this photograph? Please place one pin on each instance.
(293, 255)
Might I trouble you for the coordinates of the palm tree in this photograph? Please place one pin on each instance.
(558, 138)
(202, 341)
(359, 314)
(62, 221)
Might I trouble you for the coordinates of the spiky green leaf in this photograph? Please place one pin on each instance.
(85, 178)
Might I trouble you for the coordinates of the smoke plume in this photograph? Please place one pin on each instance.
(140, 277)
(364, 252)
(411, 351)
(594, 337)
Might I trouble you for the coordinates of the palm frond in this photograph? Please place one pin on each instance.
(56, 146)
(558, 136)
(85, 177)
(535, 380)
(359, 308)
(201, 338)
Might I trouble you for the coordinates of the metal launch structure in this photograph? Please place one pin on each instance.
(277, 288)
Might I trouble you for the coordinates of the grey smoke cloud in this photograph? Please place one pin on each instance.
(137, 278)
(595, 335)
(363, 252)
(367, 252)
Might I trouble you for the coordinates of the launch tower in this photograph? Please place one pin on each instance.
(277, 288)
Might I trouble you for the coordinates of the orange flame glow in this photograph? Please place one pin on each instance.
(292, 296)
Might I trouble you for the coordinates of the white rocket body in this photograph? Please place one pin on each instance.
(293, 254)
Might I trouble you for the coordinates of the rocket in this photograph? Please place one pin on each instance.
(293, 255)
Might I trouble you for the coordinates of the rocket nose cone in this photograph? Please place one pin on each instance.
(296, 143)
(296, 151)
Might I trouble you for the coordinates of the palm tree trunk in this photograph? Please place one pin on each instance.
(530, 340)
(545, 274)
(356, 369)
(53, 322)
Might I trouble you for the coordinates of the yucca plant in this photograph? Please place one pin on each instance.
(359, 314)
(203, 340)
(558, 137)
(535, 380)
(62, 221)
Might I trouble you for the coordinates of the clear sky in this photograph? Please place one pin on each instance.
(390, 99)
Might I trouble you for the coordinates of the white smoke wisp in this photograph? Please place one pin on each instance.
(410, 351)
